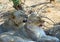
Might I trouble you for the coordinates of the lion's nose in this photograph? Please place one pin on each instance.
(25, 20)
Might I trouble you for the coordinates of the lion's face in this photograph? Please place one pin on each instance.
(35, 20)
(17, 19)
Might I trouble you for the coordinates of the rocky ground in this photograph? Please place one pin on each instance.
(38, 22)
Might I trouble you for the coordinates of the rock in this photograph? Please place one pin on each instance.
(54, 31)
(9, 37)
(49, 39)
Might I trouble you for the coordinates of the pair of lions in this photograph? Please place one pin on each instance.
(24, 29)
